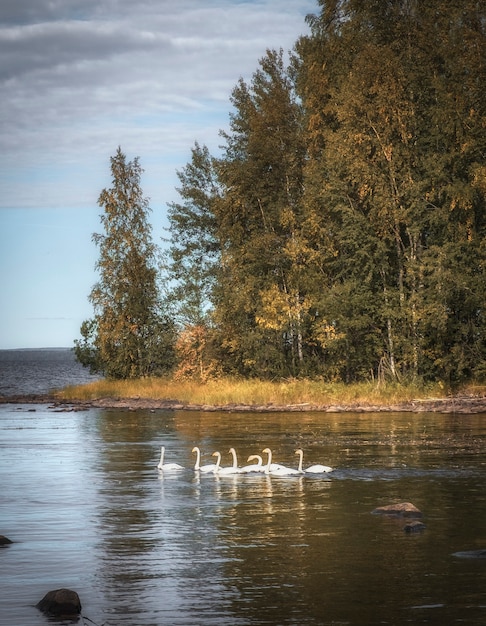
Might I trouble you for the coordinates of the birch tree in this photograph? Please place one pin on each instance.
(128, 336)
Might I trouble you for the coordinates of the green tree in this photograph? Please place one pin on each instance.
(128, 336)
(396, 135)
(342, 233)
(258, 216)
(193, 257)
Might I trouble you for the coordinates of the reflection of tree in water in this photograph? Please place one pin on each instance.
(264, 528)
(308, 548)
(141, 426)
(126, 538)
(135, 535)
(286, 550)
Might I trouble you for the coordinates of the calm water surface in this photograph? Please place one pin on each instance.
(40, 371)
(88, 510)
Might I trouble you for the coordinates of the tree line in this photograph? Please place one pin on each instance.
(340, 233)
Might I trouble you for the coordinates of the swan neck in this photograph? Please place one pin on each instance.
(301, 459)
(269, 461)
(198, 458)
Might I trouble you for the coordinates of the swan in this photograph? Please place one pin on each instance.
(167, 467)
(212, 467)
(269, 465)
(215, 468)
(275, 469)
(232, 469)
(313, 469)
(254, 467)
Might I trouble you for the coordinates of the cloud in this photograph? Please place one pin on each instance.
(80, 77)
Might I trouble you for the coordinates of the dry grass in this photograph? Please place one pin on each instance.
(253, 392)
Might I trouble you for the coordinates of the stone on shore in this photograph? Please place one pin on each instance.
(466, 404)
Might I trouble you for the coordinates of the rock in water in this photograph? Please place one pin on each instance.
(414, 527)
(60, 602)
(404, 509)
(5, 541)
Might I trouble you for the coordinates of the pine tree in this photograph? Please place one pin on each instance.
(128, 336)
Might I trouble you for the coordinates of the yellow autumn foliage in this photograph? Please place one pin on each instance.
(280, 309)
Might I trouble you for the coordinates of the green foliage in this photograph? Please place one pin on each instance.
(85, 349)
(194, 253)
(342, 232)
(258, 219)
(394, 124)
(128, 336)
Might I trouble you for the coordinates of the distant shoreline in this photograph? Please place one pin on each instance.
(454, 404)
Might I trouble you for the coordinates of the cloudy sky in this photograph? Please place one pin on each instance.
(80, 78)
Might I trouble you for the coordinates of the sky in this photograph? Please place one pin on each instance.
(80, 78)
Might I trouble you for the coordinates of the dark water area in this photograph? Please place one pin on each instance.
(25, 372)
(87, 509)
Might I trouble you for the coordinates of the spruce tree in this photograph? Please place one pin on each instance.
(193, 257)
(349, 221)
(396, 135)
(261, 304)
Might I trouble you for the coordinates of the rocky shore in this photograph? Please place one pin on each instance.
(454, 404)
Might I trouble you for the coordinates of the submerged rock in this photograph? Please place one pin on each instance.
(404, 509)
(471, 554)
(414, 527)
(60, 602)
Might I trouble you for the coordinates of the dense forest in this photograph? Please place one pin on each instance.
(341, 231)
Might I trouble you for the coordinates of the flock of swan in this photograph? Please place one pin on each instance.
(270, 468)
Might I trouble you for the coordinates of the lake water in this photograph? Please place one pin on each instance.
(40, 371)
(87, 509)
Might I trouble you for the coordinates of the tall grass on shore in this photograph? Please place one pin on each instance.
(253, 392)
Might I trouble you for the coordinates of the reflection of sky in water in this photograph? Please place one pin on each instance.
(83, 498)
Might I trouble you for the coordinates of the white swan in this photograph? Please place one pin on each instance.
(275, 469)
(232, 469)
(167, 467)
(215, 467)
(211, 467)
(269, 465)
(253, 467)
(313, 469)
